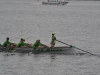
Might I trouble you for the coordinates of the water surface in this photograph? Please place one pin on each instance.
(77, 23)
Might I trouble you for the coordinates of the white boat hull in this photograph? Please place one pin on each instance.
(55, 50)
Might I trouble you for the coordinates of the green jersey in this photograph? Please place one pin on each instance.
(6, 43)
(36, 44)
(21, 44)
(53, 40)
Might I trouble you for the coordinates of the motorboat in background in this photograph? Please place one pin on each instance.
(55, 2)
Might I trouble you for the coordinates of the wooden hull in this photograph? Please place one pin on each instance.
(55, 50)
(54, 3)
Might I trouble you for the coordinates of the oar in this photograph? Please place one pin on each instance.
(65, 43)
(76, 48)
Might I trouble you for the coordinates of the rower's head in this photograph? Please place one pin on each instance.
(21, 40)
(38, 40)
(7, 39)
(53, 33)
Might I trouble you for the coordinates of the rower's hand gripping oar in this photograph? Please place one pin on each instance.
(76, 47)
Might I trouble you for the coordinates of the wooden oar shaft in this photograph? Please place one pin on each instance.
(84, 51)
(62, 42)
(75, 47)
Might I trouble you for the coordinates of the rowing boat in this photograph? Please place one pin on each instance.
(55, 50)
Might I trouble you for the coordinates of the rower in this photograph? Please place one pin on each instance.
(6, 43)
(53, 41)
(9, 44)
(27, 44)
(22, 44)
(38, 44)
